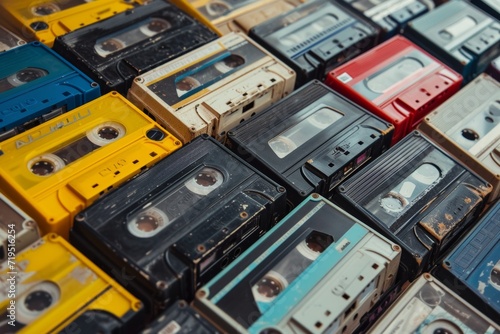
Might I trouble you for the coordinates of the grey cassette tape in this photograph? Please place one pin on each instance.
(9, 40)
(212, 89)
(468, 126)
(318, 270)
(429, 306)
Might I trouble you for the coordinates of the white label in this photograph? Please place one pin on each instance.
(172, 328)
(344, 77)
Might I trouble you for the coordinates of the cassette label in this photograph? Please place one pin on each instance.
(9, 40)
(36, 85)
(213, 89)
(391, 193)
(403, 88)
(176, 226)
(301, 276)
(311, 140)
(115, 51)
(58, 168)
(314, 38)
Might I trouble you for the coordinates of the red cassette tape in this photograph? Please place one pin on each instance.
(397, 81)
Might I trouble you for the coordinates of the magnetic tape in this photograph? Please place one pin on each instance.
(52, 288)
(405, 84)
(429, 306)
(472, 268)
(176, 226)
(318, 269)
(468, 126)
(212, 89)
(36, 85)
(9, 40)
(44, 20)
(418, 196)
(460, 35)
(60, 167)
(311, 140)
(315, 37)
(17, 229)
(113, 52)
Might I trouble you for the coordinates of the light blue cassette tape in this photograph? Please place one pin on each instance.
(36, 84)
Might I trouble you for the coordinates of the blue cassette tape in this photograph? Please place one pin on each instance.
(472, 269)
(36, 84)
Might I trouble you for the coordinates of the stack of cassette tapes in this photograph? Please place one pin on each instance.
(429, 306)
(36, 85)
(173, 228)
(468, 126)
(318, 270)
(315, 37)
(418, 196)
(61, 166)
(311, 140)
(459, 34)
(44, 20)
(113, 52)
(212, 89)
(472, 268)
(9, 40)
(52, 288)
(405, 84)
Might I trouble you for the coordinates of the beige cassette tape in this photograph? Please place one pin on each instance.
(212, 89)
(468, 126)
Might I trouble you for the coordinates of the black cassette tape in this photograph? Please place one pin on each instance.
(462, 36)
(36, 84)
(315, 37)
(472, 268)
(494, 68)
(311, 140)
(429, 306)
(9, 40)
(180, 318)
(318, 269)
(116, 50)
(418, 196)
(176, 226)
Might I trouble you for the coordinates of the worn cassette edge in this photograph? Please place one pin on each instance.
(223, 101)
(449, 205)
(44, 20)
(69, 291)
(17, 229)
(405, 102)
(9, 40)
(188, 8)
(491, 7)
(33, 164)
(316, 309)
(472, 268)
(494, 69)
(462, 36)
(36, 85)
(419, 310)
(468, 127)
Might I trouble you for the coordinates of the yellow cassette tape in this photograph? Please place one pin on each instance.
(51, 287)
(60, 167)
(44, 20)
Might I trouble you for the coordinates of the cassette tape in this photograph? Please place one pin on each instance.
(44, 20)
(429, 306)
(397, 81)
(180, 318)
(463, 37)
(468, 126)
(472, 268)
(315, 37)
(36, 85)
(392, 15)
(418, 196)
(113, 52)
(318, 269)
(494, 68)
(17, 229)
(173, 228)
(311, 140)
(58, 168)
(213, 88)
(491, 7)
(9, 40)
(51, 287)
